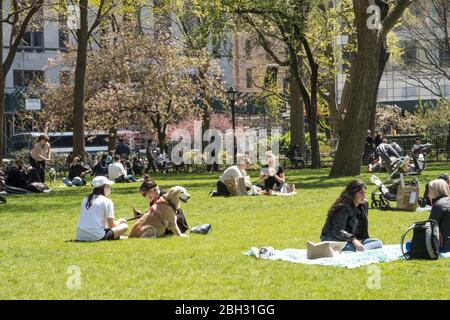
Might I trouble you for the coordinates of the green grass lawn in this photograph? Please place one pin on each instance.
(35, 251)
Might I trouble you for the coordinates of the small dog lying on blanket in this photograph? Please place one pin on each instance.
(161, 216)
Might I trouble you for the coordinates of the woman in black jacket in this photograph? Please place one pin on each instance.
(439, 195)
(348, 220)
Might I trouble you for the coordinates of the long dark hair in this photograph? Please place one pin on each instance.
(346, 197)
(148, 184)
(100, 191)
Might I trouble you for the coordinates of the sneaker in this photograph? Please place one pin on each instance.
(202, 229)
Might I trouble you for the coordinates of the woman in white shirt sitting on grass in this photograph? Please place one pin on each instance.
(97, 215)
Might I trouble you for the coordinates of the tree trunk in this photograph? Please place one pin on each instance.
(112, 139)
(297, 116)
(360, 96)
(80, 80)
(206, 125)
(2, 93)
(2, 118)
(312, 118)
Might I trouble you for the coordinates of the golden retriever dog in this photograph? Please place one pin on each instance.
(154, 223)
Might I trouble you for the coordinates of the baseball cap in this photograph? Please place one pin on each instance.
(444, 177)
(101, 181)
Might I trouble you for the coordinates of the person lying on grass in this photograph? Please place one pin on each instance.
(97, 214)
(150, 190)
(439, 195)
(348, 220)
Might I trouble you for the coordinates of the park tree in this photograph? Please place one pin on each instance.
(138, 81)
(285, 22)
(426, 29)
(85, 31)
(16, 17)
(201, 28)
(373, 21)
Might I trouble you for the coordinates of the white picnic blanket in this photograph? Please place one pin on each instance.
(344, 260)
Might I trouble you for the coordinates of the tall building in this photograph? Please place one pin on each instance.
(41, 42)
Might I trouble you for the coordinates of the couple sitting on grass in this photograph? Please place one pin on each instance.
(348, 217)
(235, 181)
(97, 219)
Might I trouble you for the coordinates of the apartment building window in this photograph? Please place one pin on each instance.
(249, 78)
(63, 32)
(409, 52)
(33, 38)
(248, 49)
(25, 78)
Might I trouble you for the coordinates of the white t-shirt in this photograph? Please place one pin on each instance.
(232, 173)
(92, 223)
(235, 172)
(116, 170)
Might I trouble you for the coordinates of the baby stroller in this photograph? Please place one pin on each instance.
(398, 168)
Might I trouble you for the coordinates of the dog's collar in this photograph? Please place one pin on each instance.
(170, 204)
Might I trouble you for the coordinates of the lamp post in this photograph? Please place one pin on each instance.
(232, 95)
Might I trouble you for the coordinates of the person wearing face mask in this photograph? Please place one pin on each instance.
(348, 220)
(97, 220)
(150, 190)
(40, 155)
(439, 196)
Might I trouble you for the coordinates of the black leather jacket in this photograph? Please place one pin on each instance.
(347, 224)
(441, 213)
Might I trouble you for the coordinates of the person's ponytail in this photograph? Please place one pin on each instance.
(100, 191)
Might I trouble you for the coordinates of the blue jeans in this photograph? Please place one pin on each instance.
(369, 244)
(77, 181)
(130, 177)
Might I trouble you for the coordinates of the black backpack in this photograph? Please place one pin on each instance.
(425, 241)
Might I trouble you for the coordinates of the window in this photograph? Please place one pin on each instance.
(409, 52)
(248, 49)
(249, 78)
(25, 78)
(411, 92)
(33, 38)
(63, 33)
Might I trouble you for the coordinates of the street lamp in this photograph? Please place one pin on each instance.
(232, 95)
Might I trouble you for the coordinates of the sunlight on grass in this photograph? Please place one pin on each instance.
(36, 252)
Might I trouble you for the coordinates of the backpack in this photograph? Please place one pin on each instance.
(425, 242)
